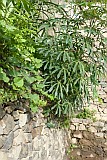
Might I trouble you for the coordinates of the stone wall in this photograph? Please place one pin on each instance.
(25, 136)
(100, 106)
(89, 140)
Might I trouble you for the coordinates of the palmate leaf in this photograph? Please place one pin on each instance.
(72, 54)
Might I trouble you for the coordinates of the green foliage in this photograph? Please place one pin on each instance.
(48, 51)
(50, 125)
(87, 113)
(20, 77)
(73, 48)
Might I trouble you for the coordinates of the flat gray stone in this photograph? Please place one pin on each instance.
(9, 141)
(28, 127)
(100, 134)
(3, 156)
(82, 127)
(98, 124)
(72, 127)
(88, 154)
(24, 151)
(1, 142)
(20, 138)
(78, 134)
(43, 153)
(16, 115)
(74, 141)
(27, 158)
(16, 128)
(30, 147)
(9, 122)
(9, 109)
(28, 137)
(1, 129)
(15, 152)
(99, 150)
(76, 120)
(92, 129)
(2, 112)
(22, 119)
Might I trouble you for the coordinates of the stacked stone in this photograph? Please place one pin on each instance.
(89, 139)
(100, 104)
(26, 138)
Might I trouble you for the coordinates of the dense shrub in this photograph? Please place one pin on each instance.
(73, 48)
(20, 77)
(45, 47)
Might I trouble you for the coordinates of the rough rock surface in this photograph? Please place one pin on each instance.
(26, 137)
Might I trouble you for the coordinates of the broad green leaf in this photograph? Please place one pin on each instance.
(18, 81)
(1, 70)
(15, 88)
(40, 86)
(30, 79)
(39, 78)
(34, 86)
(34, 107)
(64, 56)
(14, 73)
(67, 87)
(4, 77)
(10, 28)
(100, 100)
(38, 63)
(34, 97)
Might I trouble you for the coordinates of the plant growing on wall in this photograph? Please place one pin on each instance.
(49, 47)
(20, 77)
(73, 48)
